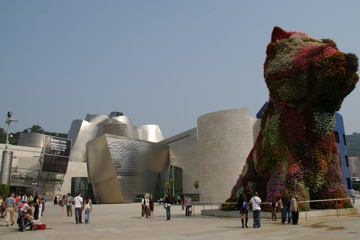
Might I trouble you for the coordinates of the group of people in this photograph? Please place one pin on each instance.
(289, 209)
(79, 204)
(147, 206)
(33, 208)
(22, 205)
(148, 201)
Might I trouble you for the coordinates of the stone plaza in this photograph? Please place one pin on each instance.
(123, 221)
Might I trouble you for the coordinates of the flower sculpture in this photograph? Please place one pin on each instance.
(295, 151)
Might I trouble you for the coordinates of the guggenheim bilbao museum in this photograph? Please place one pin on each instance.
(114, 160)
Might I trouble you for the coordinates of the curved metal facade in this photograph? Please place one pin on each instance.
(122, 160)
(119, 168)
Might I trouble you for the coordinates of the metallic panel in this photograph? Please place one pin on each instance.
(151, 133)
(31, 139)
(80, 133)
(96, 118)
(117, 128)
(126, 167)
(6, 163)
(124, 119)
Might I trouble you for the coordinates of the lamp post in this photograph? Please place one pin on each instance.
(6, 161)
(173, 176)
(8, 121)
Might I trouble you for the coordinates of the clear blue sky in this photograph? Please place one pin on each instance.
(159, 62)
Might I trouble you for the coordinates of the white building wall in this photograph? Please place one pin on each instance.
(225, 139)
(183, 147)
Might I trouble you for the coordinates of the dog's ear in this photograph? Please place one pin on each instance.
(278, 33)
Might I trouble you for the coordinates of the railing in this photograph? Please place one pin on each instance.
(218, 204)
(328, 200)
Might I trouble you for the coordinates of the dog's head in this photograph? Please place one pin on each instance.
(302, 72)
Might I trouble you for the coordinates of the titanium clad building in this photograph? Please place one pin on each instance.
(119, 167)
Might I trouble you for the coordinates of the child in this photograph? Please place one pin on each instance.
(273, 212)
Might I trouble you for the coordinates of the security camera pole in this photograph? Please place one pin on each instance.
(6, 161)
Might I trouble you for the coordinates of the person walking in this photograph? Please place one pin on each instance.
(243, 206)
(352, 194)
(87, 208)
(69, 203)
(255, 203)
(188, 205)
(152, 203)
(285, 211)
(167, 203)
(78, 202)
(10, 207)
(294, 208)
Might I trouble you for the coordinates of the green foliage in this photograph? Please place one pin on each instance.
(228, 207)
(4, 191)
(196, 184)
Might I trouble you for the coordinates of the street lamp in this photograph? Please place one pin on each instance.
(6, 161)
(173, 176)
(8, 121)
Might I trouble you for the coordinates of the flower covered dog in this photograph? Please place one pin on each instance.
(295, 151)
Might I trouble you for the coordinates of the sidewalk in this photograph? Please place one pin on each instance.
(123, 221)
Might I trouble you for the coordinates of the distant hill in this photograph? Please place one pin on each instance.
(353, 145)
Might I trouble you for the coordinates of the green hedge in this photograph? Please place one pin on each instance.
(4, 191)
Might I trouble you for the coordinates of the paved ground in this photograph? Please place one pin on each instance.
(123, 221)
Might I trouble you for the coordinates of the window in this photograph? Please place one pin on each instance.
(347, 160)
(344, 137)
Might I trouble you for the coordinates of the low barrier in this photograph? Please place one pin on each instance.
(213, 208)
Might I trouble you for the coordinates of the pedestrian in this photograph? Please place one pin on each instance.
(352, 194)
(152, 203)
(285, 213)
(243, 206)
(294, 208)
(17, 199)
(10, 207)
(143, 206)
(147, 206)
(42, 201)
(24, 198)
(62, 203)
(40, 210)
(188, 205)
(167, 203)
(255, 203)
(273, 210)
(87, 208)
(36, 204)
(55, 200)
(182, 201)
(78, 202)
(2, 208)
(69, 203)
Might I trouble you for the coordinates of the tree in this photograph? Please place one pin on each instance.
(36, 129)
(196, 184)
